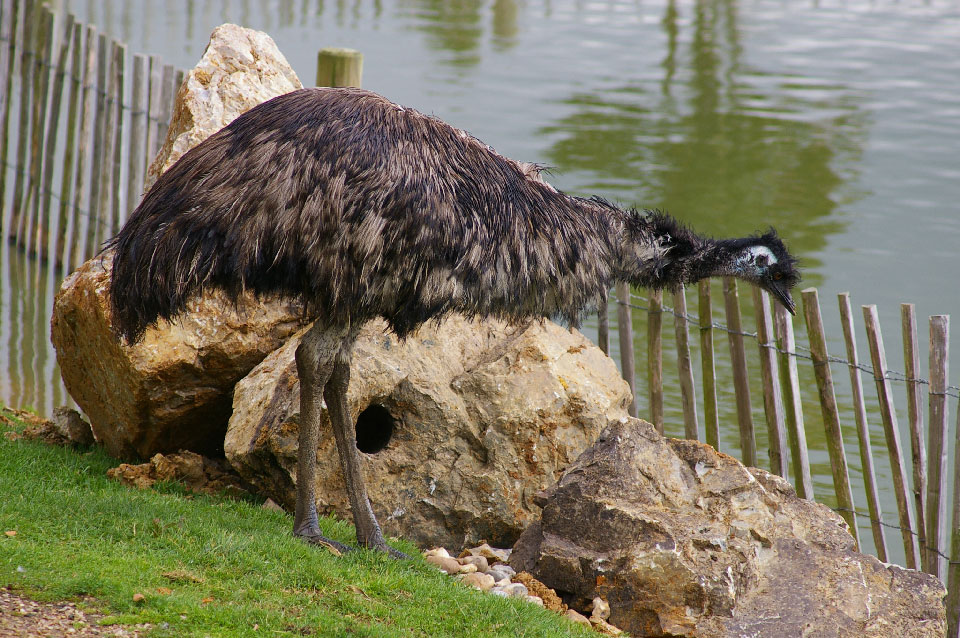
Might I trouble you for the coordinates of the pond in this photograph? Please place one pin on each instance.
(834, 122)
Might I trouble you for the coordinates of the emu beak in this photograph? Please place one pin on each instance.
(783, 296)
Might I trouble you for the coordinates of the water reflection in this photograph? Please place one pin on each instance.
(726, 147)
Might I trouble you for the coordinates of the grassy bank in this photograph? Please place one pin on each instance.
(209, 566)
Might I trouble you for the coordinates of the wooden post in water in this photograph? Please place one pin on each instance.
(741, 383)
(892, 433)
(603, 326)
(688, 395)
(772, 403)
(83, 207)
(953, 567)
(53, 128)
(339, 67)
(655, 358)
(792, 408)
(711, 417)
(97, 212)
(911, 359)
(937, 487)
(8, 57)
(66, 179)
(27, 59)
(119, 66)
(625, 330)
(137, 158)
(41, 89)
(828, 408)
(863, 430)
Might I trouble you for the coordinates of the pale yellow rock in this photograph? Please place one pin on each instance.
(483, 582)
(240, 68)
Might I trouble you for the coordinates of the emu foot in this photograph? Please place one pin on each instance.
(314, 537)
(379, 544)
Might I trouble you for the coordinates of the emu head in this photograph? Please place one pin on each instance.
(764, 261)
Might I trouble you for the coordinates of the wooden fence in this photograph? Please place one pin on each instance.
(80, 148)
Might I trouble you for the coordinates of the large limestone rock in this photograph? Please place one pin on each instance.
(684, 541)
(172, 390)
(239, 69)
(476, 417)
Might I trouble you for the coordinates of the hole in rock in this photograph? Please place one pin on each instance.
(374, 429)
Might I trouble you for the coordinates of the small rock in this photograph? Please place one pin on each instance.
(550, 599)
(605, 628)
(498, 573)
(575, 616)
(71, 425)
(467, 569)
(516, 590)
(509, 571)
(483, 582)
(445, 563)
(490, 553)
(480, 562)
(601, 609)
(536, 600)
(138, 597)
(270, 504)
(11, 533)
(503, 583)
(499, 592)
(437, 551)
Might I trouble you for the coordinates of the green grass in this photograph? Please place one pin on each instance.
(212, 566)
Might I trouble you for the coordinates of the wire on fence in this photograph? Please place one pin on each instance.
(892, 375)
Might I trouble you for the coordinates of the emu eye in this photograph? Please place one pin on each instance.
(777, 276)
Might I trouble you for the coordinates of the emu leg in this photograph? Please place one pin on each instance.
(315, 357)
(335, 394)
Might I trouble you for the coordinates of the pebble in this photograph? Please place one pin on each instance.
(483, 582)
(516, 590)
(480, 562)
(601, 609)
(467, 569)
(445, 563)
(577, 617)
(437, 551)
(498, 573)
(536, 600)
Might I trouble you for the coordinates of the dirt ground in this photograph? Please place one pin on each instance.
(24, 618)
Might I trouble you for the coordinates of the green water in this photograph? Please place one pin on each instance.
(834, 122)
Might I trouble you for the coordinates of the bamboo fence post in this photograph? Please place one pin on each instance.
(8, 58)
(53, 128)
(707, 366)
(625, 330)
(119, 66)
(603, 326)
(937, 488)
(772, 403)
(339, 67)
(23, 121)
(863, 431)
(155, 91)
(96, 168)
(110, 140)
(953, 567)
(168, 93)
(76, 62)
(82, 245)
(892, 433)
(136, 160)
(688, 392)
(792, 408)
(911, 359)
(655, 358)
(828, 408)
(741, 383)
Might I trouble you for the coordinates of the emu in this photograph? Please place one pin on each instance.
(362, 208)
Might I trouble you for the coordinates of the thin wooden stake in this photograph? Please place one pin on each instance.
(688, 395)
(911, 358)
(892, 433)
(53, 129)
(741, 383)
(66, 181)
(97, 212)
(937, 487)
(339, 67)
(625, 330)
(953, 568)
(772, 403)
(8, 58)
(119, 67)
(792, 408)
(655, 358)
(863, 430)
(41, 90)
(828, 408)
(711, 417)
(27, 59)
(136, 164)
(603, 326)
(83, 207)
(155, 92)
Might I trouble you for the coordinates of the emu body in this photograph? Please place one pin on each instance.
(362, 208)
